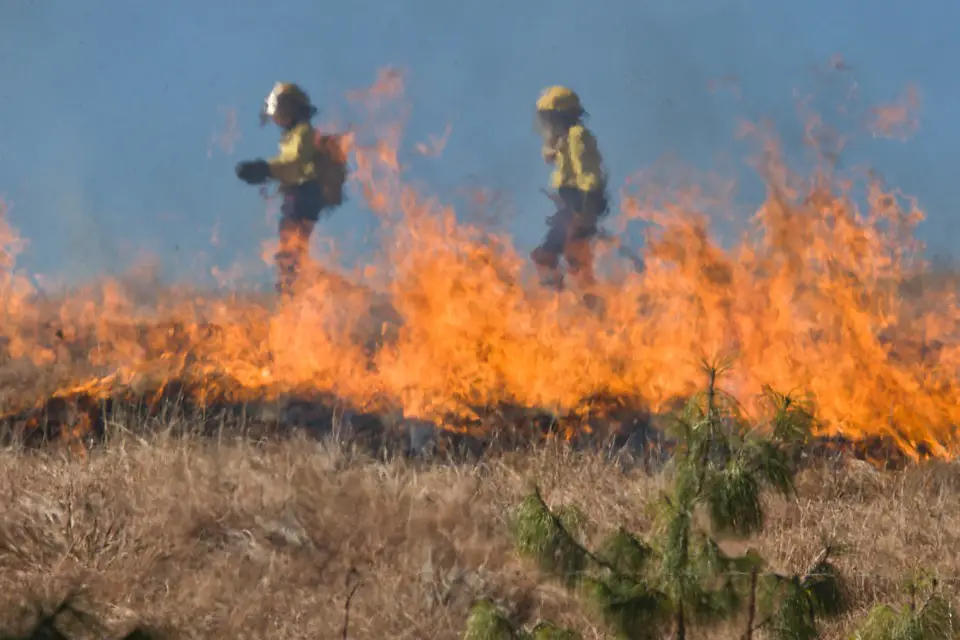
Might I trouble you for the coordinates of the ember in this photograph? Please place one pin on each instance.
(448, 329)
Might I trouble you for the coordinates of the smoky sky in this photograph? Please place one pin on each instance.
(108, 109)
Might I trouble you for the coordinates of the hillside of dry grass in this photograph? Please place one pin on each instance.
(232, 539)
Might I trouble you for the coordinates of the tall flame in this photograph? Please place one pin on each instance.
(818, 297)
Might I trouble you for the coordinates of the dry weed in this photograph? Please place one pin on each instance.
(237, 540)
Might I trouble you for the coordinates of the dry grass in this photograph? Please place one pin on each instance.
(235, 540)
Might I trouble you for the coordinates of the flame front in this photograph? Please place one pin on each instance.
(819, 297)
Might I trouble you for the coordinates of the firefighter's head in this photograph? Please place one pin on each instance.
(287, 105)
(558, 109)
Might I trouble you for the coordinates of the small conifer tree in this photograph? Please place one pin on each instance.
(721, 467)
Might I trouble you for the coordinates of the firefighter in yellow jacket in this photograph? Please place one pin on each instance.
(297, 171)
(580, 185)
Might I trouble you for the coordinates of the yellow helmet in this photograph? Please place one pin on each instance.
(285, 96)
(559, 98)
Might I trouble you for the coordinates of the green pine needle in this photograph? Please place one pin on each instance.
(794, 616)
(550, 631)
(487, 622)
(719, 603)
(935, 620)
(543, 536)
(792, 418)
(823, 585)
(675, 555)
(797, 603)
(771, 464)
(879, 624)
(630, 607)
(626, 552)
(733, 500)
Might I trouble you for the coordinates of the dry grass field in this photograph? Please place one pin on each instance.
(231, 539)
(825, 293)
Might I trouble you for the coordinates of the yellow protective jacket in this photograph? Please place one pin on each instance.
(577, 161)
(296, 163)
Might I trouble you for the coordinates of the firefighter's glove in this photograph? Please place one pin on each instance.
(253, 172)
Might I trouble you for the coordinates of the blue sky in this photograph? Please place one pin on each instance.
(107, 109)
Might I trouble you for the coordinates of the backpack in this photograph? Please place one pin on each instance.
(332, 167)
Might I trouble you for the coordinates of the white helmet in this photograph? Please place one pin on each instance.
(284, 96)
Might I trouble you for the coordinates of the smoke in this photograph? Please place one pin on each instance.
(898, 119)
(670, 80)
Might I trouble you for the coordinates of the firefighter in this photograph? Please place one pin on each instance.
(297, 171)
(580, 184)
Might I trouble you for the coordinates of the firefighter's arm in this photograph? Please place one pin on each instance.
(585, 159)
(549, 154)
(285, 166)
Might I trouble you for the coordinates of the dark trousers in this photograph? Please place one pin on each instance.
(569, 234)
(298, 216)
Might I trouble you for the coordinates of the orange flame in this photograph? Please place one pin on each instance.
(818, 297)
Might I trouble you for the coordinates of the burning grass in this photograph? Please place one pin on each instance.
(235, 539)
(446, 325)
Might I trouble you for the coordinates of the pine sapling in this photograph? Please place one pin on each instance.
(930, 614)
(722, 466)
(720, 469)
